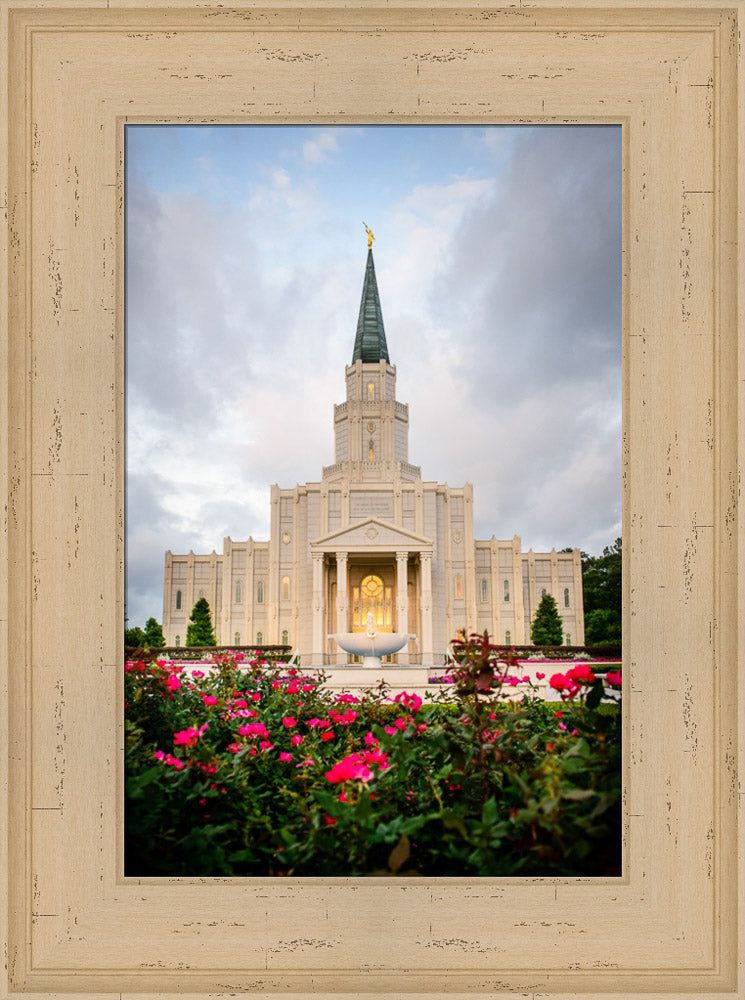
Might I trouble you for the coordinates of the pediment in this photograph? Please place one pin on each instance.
(372, 534)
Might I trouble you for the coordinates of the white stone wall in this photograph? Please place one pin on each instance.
(351, 492)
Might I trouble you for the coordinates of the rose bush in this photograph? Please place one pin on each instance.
(253, 771)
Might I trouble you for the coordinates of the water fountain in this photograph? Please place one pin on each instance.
(371, 645)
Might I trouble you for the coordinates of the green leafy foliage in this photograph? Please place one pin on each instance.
(199, 632)
(134, 638)
(154, 637)
(547, 628)
(250, 771)
(601, 588)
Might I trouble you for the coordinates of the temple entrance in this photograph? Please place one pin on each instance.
(372, 591)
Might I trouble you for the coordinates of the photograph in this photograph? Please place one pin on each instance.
(373, 500)
(373, 552)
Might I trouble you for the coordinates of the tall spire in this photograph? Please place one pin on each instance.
(369, 344)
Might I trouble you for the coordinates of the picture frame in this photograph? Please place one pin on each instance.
(76, 73)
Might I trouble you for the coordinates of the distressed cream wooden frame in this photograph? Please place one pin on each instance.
(76, 71)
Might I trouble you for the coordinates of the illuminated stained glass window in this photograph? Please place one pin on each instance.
(371, 597)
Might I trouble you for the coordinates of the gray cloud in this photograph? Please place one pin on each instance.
(501, 299)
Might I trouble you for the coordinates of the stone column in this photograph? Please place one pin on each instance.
(319, 607)
(341, 599)
(402, 601)
(425, 640)
(167, 597)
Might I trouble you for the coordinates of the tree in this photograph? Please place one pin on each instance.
(134, 638)
(199, 631)
(154, 637)
(601, 579)
(602, 625)
(547, 628)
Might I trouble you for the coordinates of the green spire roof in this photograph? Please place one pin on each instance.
(369, 344)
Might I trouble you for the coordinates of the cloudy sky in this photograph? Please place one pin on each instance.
(498, 257)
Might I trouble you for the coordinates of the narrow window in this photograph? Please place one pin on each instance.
(508, 638)
(566, 597)
(484, 590)
(459, 587)
(178, 602)
(285, 588)
(177, 641)
(543, 592)
(259, 638)
(260, 592)
(371, 451)
(237, 638)
(285, 637)
(371, 391)
(201, 594)
(238, 592)
(569, 638)
(506, 590)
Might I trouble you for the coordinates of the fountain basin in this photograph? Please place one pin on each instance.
(371, 647)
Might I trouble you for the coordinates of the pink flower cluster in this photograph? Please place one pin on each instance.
(253, 729)
(570, 683)
(412, 702)
(188, 737)
(167, 758)
(613, 677)
(356, 766)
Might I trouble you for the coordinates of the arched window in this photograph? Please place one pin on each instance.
(260, 592)
(285, 588)
(238, 592)
(543, 592)
(371, 597)
(259, 638)
(371, 451)
(237, 638)
(508, 638)
(459, 587)
(285, 637)
(177, 641)
(371, 391)
(569, 639)
(484, 590)
(178, 602)
(201, 594)
(566, 597)
(506, 590)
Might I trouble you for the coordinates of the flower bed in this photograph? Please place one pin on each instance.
(245, 770)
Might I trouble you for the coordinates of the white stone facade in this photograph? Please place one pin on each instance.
(371, 515)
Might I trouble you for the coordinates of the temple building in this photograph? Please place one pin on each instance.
(371, 536)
